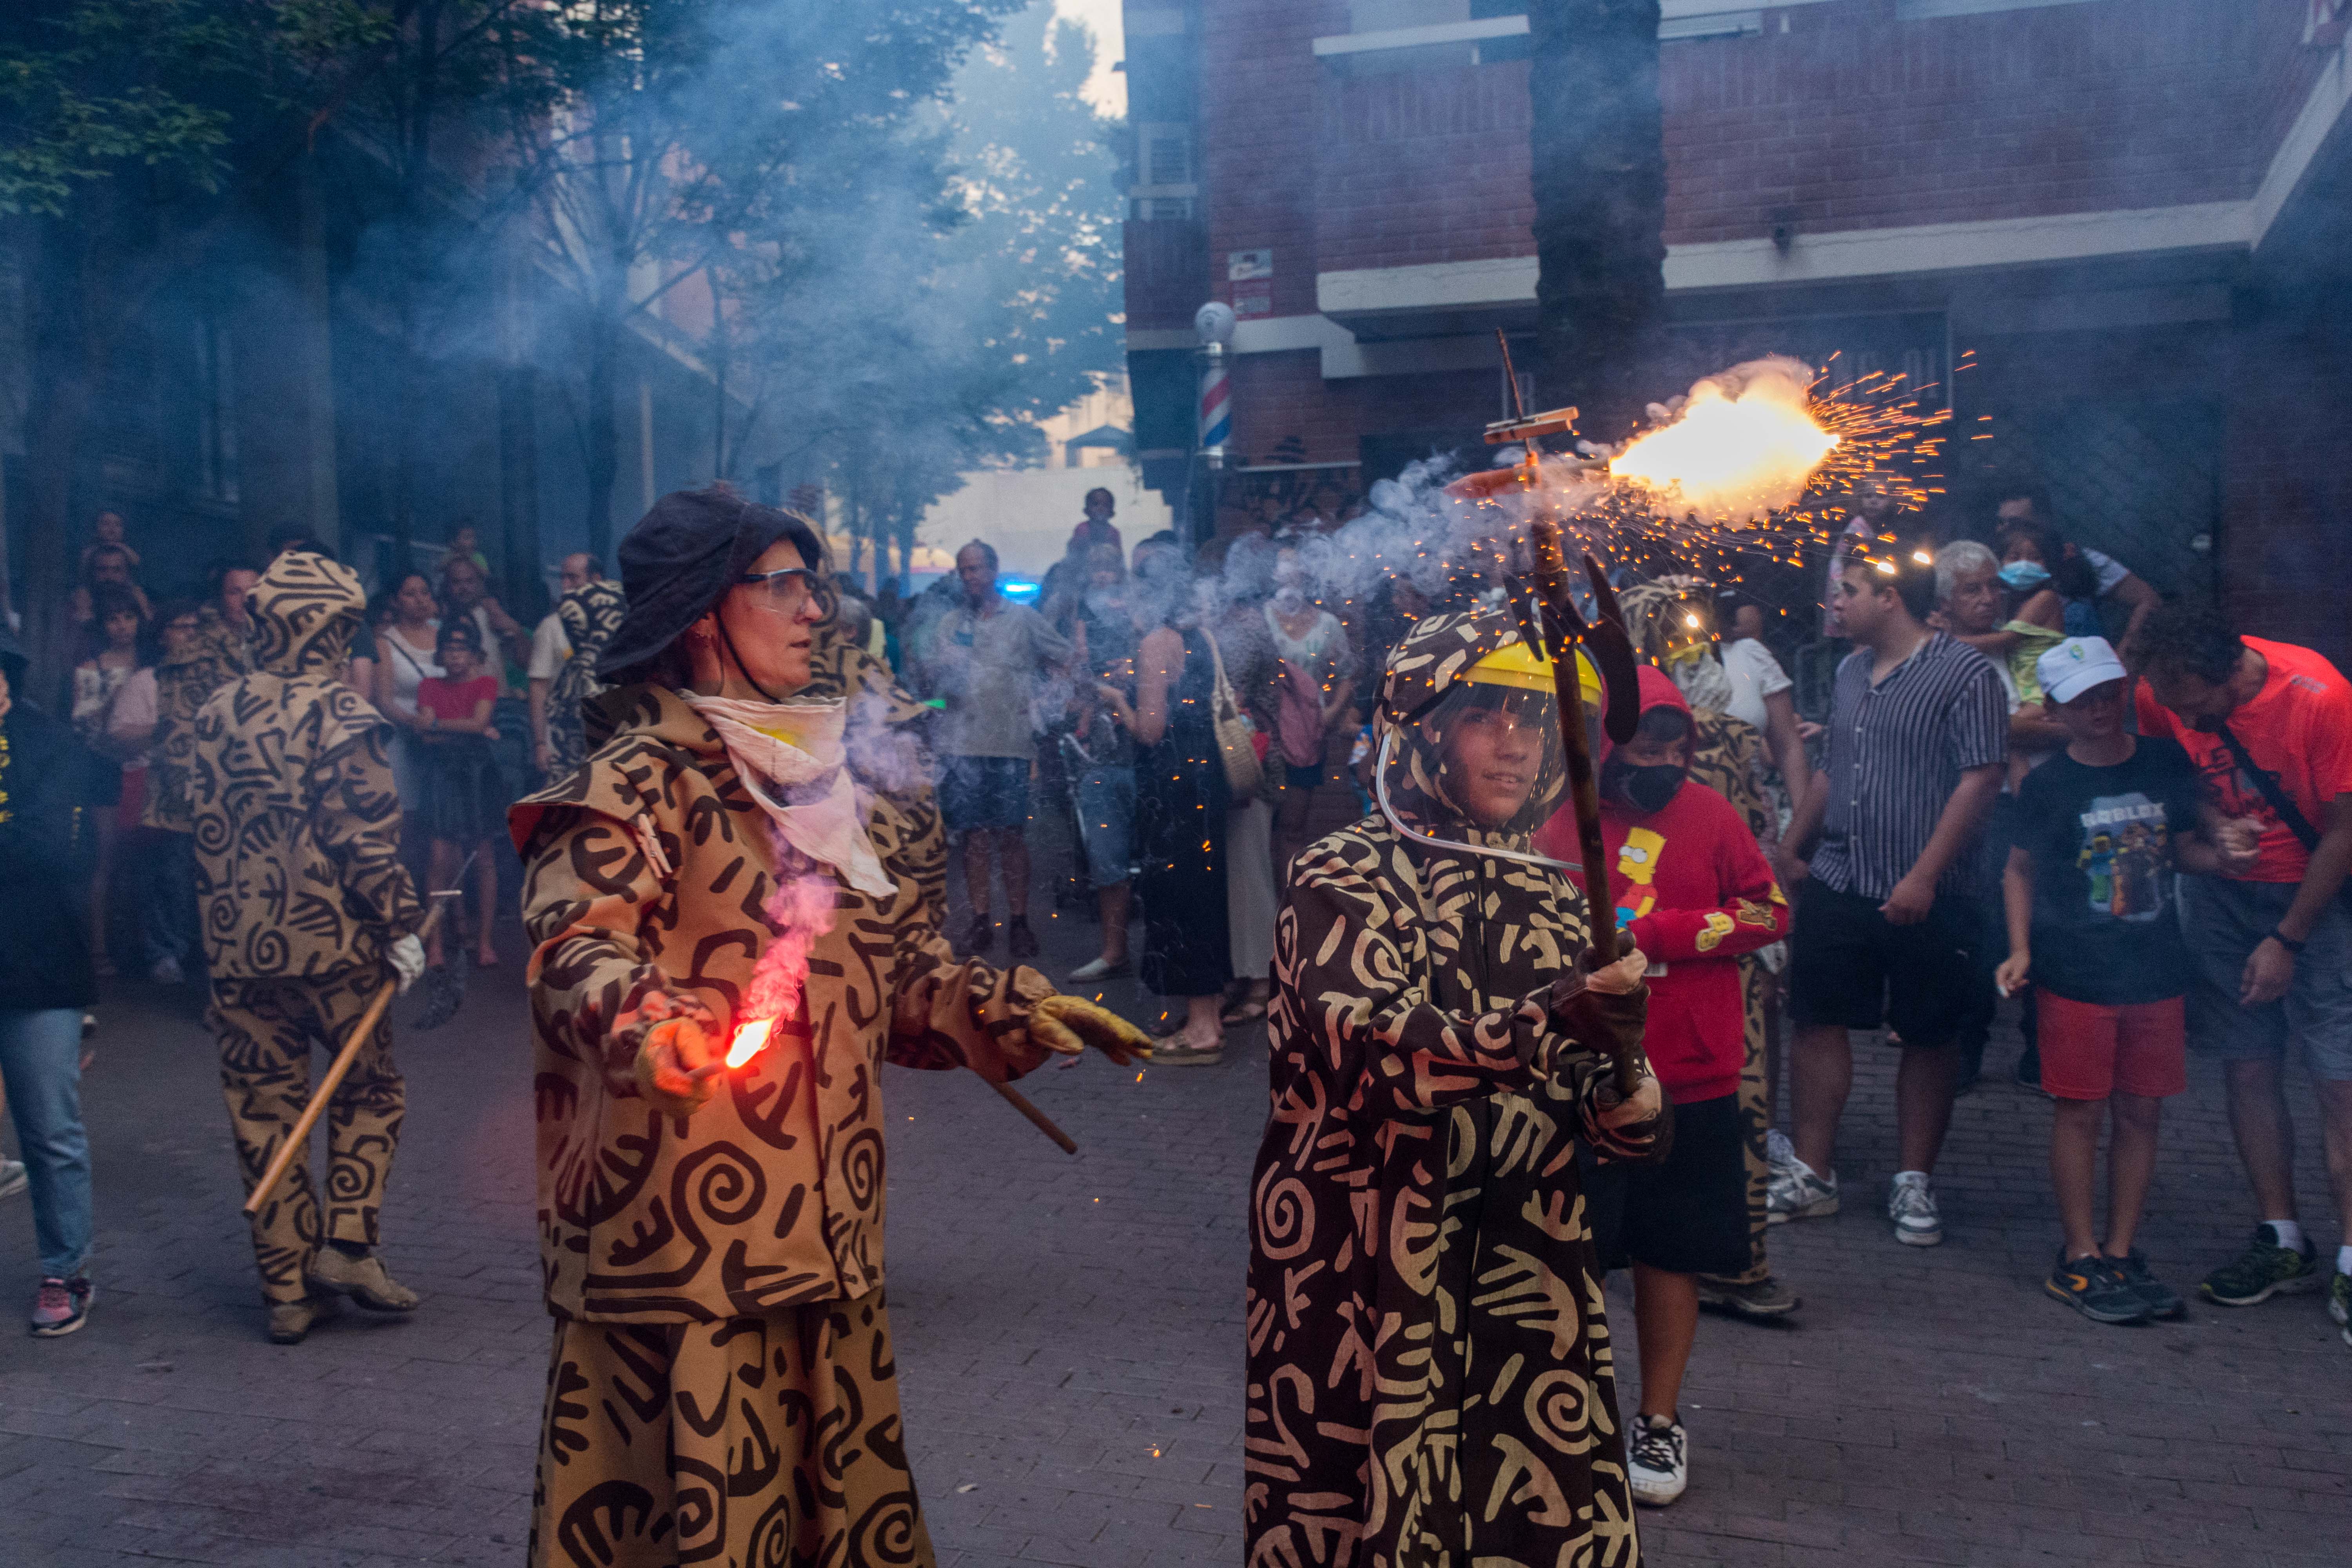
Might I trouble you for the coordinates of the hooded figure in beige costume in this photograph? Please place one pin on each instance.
(721, 1387)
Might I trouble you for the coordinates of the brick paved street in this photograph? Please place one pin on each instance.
(1069, 1341)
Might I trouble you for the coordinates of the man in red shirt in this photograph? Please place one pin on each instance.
(2269, 727)
(1692, 891)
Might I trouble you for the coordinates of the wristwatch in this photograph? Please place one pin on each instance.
(2285, 941)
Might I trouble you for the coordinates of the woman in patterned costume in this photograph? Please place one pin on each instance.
(591, 613)
(1430, 1381)
(721, 1387)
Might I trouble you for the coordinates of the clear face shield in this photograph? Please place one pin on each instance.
(1484, 755)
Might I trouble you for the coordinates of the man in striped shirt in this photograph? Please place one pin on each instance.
(1888, 920)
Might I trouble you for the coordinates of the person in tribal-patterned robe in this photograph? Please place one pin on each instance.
(1430, 1384)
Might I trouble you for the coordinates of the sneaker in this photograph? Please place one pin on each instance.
(361, 1278)
(1779, 1152)
(290, 1321)
(1795, 1192)
(61, 1306)
(2340, 1304)
(1657, 1460)
(1767, 1298)
(11, 1177)
(2095, 1287)
(1019, 939)
(1911, 1204)
(2264, 1270)
(167, 971)
(1102, 969)
(2160, 1298)
(978, 936)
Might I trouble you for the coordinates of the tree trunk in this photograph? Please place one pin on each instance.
(1599, 184)
(603, 426)
(519, 437)
(72, 349)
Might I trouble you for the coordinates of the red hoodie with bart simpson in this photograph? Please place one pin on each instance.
(1694, 892)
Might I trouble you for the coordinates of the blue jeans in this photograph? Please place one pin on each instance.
(167, 924)
(40, 1059)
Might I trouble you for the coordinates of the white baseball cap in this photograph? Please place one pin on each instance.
(2075, 666)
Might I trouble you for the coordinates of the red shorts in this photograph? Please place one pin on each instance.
(2090, 1050)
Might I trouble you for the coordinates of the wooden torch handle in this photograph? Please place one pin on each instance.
(1038, 1118)
(321, 1095)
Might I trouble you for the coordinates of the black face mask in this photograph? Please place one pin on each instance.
(1646, 790)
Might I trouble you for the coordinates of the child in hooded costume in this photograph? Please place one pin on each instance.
(1693, 893)
(721, 1385)
(1430, 1381)
(306, 907)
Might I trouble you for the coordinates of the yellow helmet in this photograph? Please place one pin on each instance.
(1516, 664)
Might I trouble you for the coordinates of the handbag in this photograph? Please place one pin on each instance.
(1236, 736)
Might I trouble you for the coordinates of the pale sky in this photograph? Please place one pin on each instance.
(1106, 89)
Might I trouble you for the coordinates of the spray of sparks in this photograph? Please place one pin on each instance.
(1756, 467)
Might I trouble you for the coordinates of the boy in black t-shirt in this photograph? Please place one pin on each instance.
(2101, 829)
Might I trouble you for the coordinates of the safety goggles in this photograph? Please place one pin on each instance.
(788, 589)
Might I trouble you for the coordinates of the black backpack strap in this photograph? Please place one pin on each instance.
(2273, 795)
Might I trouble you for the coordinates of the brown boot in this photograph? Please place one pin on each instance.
(290, 1321)
(361, 1278)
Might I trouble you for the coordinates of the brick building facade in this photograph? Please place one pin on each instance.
(2129, 215)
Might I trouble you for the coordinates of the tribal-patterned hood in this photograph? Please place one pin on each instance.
(306, 611)
(1427, 677)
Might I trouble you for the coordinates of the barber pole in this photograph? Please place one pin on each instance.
(1216, 405)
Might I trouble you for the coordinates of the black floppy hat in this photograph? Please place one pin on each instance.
(682, 557)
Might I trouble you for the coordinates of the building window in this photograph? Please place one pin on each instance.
(215, 410)
(1165, 150)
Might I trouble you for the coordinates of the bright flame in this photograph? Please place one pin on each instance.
(1745, 445)
(750, 1040)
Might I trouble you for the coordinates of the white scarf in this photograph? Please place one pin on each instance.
(795, 749)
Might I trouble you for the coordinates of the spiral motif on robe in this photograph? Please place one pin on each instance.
(1559, 1410)
(1286, 1218)
(728, 1187)
(861, 1166)
(772, 1537)
(888, 1531)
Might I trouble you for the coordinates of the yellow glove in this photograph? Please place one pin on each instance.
(678, 1072)
(1067, 1025)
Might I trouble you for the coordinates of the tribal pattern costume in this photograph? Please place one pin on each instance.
(716, 1278)
(1430, 1374)
(299, 877)
(185, 682)
(591, 613)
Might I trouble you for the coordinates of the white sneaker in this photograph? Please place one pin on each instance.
(1779, 1152)
(1657, 1460)
(1911, 1204)
(1793, 1192)
(12, 1176)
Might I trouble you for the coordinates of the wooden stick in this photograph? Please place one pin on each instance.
(324, 1090)
(1038, 1118)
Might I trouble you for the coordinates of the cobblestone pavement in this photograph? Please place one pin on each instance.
(1069, 1336)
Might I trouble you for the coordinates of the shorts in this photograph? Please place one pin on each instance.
(2091, 1049)
(1847, 966)
(1688, 1212)
(983, 792)
(1106, 798)
(2224, 921)
(1305, 778)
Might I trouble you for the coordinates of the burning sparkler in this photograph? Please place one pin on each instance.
(1745, 445)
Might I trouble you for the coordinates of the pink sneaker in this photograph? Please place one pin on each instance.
(61, 1306)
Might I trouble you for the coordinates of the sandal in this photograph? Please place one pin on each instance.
(1189, 1056)
(1249, 1010)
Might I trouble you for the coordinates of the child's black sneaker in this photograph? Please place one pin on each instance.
(2091, 1285)
(2161, 1300)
